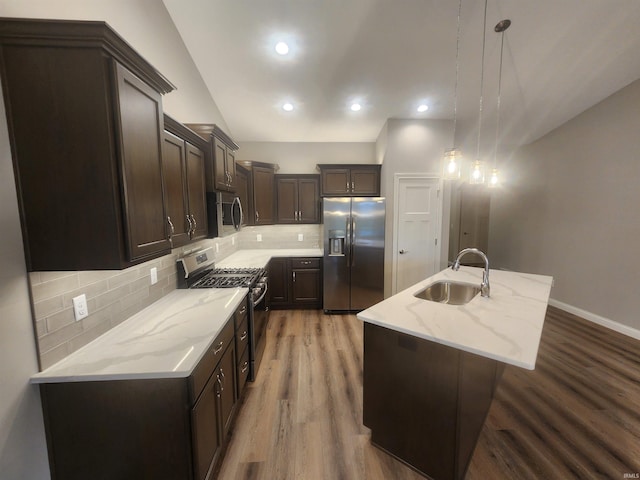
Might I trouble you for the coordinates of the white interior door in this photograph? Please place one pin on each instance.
(416, 252)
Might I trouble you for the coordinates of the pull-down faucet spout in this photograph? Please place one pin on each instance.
(484, 286)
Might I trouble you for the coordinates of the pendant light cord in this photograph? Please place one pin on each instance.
(455, 91)
(495, 152)
(484, 36)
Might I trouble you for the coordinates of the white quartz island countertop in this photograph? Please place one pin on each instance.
(506, 326)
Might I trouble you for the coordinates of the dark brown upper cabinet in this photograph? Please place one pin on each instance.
(85, 123)
(221, 167)
(297, 199)
(183, 160)
(260, 208)
(350, 180)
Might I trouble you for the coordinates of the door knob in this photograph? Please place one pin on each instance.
(402, 252)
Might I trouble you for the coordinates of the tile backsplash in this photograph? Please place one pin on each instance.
(115, 295)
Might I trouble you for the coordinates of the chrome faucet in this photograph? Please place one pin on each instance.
(484, 286)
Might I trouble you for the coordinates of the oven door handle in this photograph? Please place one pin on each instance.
(257, 302)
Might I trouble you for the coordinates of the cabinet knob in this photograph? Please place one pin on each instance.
(243, 335)
(294, 276)
(244, 368)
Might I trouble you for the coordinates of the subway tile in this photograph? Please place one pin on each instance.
(51, 276)
(127, 276)
(112, 296)
(48, 307)
(60, 336)
(54, 355)
(88, 336)
(92, 276)
(92, 290)
(41, 327)
(52, 288)
(133, 298)
(60, 320)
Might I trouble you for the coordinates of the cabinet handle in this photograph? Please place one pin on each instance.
(306, 262)
(171, 227)
(245, 366)
(243, 335)
(221, 388)
(190, 225)
(243, 309)
(294, 276)
(218, 348)
(353, 186)
(195, 224)
(347, 186)
(257, 216)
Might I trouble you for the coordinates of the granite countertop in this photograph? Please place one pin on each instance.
(169, 337)
(506, 326)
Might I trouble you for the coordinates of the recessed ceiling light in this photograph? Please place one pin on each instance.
(423, 108)
(356, 107)
(287, 107)
(282, 48)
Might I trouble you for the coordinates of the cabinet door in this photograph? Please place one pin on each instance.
(287, 200)
(220, 165)
(228, 386)
(278, 282)
(230, 165)
(308, 200)
(205, 429)
(140, 109)
(173, 158)
(263, 198)
(306, 285)
(196, 189)
(336, 181)
(365, 181)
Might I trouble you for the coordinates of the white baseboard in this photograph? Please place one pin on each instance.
(592, 317)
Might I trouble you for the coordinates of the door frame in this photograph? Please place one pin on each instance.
(397, 178)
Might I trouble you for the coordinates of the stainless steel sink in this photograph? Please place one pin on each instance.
(452, 293)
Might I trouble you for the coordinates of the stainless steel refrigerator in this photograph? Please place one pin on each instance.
(353, 252)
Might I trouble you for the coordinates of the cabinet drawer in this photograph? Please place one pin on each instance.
(242, 336)
(241, 314)
(243, 371)
(207, 365)
(305, 263)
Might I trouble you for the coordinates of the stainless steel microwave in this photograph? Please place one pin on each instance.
(225, 213)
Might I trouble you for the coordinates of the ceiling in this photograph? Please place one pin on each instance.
(560, 57)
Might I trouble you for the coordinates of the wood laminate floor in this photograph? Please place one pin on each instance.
(576, 416)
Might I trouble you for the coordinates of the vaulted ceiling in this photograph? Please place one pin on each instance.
(560, 57)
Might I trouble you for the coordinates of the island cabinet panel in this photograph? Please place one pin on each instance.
(85, 125)
(425, 402)
(350, 180)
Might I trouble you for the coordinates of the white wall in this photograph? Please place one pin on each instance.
(23, 452)
(302, 157)
(411, 146)
(147, 27)
(571, 210)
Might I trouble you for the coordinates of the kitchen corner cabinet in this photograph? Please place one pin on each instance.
(221, 167)
(295, 282)
(260, 207)
(350, 180)
(297, 199)
(85, 123)
(184, 173)
(174, 428)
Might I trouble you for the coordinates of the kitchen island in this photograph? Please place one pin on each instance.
(431, 369)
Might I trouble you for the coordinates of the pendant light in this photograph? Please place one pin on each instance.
(494, 181)
(453, 156)
(477, 169)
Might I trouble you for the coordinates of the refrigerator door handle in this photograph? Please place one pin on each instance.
(353, 240)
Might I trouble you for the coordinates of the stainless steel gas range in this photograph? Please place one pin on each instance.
(197, 270)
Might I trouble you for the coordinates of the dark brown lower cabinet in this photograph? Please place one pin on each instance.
(295, 282)
(173, 428)
(424, 402)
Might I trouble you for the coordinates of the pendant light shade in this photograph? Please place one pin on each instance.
(453, 156)
(477, 173)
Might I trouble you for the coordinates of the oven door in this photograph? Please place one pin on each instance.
(259, 319)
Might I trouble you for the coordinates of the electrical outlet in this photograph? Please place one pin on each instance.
(300, 237)
(154, 275)
(80, 309)
(258, 237)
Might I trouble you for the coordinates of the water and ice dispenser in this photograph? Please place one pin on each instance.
(336, 242)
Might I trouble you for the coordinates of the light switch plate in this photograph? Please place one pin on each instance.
(300, 237)
(154, 275)
(258, 237)
(80, 309)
